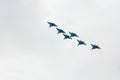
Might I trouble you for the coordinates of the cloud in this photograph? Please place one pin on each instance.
(29, 49)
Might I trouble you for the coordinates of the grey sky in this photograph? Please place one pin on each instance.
(30, 50)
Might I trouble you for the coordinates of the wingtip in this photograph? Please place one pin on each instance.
(78, 44)
(91, 44)
(78, 40)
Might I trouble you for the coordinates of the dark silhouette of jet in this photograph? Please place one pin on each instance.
(52, 24)
(95, 46)
(73, 34)
(81, 42)
(66, 36)
(60, 30)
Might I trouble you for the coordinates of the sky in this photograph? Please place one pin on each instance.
(30, 50)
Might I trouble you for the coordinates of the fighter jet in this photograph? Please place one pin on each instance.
(60, 30)
(81, 42)
(95, 46)
(52, 24)
(73, 34)
(66, 36)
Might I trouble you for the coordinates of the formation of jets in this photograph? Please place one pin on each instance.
(71, 35)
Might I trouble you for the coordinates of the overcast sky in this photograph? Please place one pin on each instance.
(30, 50)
